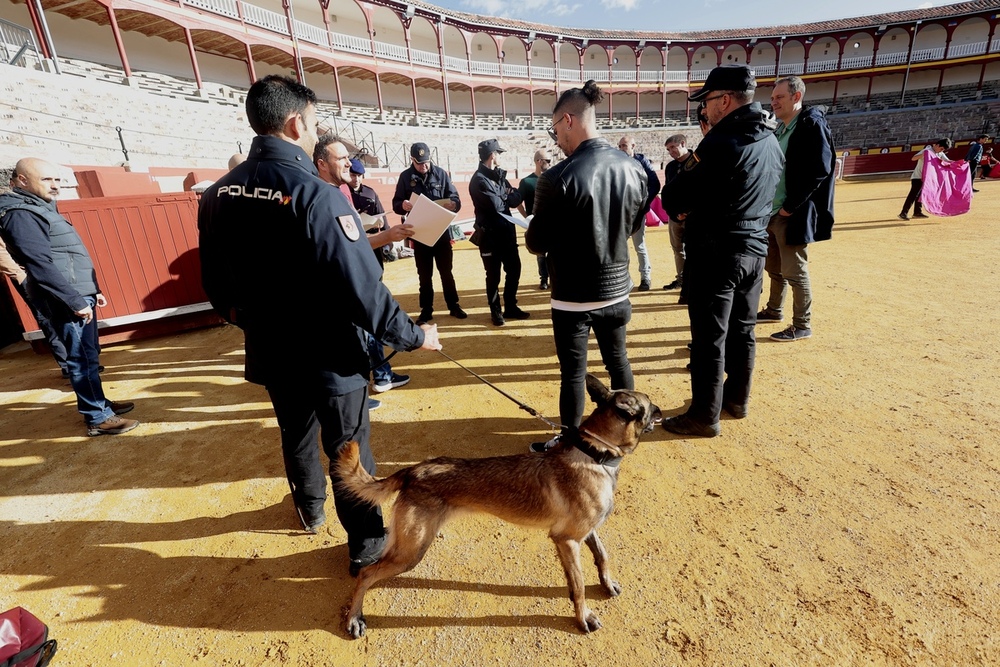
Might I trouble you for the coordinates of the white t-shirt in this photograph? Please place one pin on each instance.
(918, 171)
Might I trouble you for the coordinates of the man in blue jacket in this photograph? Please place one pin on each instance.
(61, 284)
(627, 145)
(802, 212)
(285, 259)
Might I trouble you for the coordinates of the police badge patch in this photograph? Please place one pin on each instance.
(350, 227)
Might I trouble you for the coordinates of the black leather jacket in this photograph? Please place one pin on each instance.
(586, 208)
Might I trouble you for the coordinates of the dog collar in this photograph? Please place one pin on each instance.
(605, 458)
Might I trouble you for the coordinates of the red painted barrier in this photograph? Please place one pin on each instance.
(145, 250)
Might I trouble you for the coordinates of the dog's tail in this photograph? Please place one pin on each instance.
(355, 479)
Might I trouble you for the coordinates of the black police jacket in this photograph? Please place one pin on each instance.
(586, 208)
(284, 258)
(726, 188)
(435, 184)
(492, 196)
(810, 168)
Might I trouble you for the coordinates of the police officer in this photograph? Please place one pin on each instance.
(724, 194)
(492, 196)
(284, 258)
(430, 180)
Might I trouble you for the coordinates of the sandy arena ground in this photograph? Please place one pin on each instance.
(852, 519)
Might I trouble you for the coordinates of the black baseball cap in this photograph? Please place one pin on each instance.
(488, 147)
(727, 77)
(420, 152)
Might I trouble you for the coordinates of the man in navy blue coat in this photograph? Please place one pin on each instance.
(284, 258)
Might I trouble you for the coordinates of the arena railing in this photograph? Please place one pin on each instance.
(275, 22)
(16, 41)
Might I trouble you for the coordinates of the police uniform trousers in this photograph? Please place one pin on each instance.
(495, 258)
(425, 256)
(723, 290)
(305, 412)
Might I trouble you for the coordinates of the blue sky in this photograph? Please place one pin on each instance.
(678, 15)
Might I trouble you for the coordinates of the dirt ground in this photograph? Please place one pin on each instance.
(852, 519)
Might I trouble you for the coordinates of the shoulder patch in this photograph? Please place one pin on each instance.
(692, 161)
(350, 227)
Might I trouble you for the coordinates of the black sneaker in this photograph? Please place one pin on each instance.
(768, 316)
(674, 285)
(684, 425)
(543, 283)
(425, 317)
(457, 313)
(542, 447)
(497, 319)
(516, 313)
(369, 554)
(903, 216)
(735, 410)
(644, 286)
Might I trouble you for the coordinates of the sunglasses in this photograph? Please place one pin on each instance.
(552, 130)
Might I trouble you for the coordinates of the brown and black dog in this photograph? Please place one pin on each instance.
(568, 490)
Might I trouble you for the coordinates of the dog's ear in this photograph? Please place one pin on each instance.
(598, 392)
(628, 403)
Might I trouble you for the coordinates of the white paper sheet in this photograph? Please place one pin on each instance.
(429, 220)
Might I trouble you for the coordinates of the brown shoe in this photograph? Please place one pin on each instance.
(121, 407)
(113, 426)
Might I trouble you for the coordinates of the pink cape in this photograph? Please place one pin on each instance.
(947, 189)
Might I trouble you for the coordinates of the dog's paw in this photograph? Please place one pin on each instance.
(590, 623)
(612, 588)
(356, 627)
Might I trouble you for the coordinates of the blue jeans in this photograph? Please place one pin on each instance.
(82, 350)
(382, 373)
(572, 331)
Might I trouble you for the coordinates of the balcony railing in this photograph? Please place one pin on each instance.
(306, 32)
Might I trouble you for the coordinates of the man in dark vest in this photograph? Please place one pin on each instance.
(62, 284)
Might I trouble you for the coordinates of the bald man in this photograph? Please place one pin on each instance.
(527, 189)
(236, 160)
(62, 284)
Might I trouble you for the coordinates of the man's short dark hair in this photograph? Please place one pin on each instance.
(944, 143)
(319, 152)
(983, 136)
(271, 100)
(675, 139)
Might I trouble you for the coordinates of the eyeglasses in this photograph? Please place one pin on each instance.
(552, 130)
(544, 161)
(709, 99)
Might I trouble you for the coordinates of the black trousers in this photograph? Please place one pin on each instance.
(303, 414)
(913, 197)
(493, 260)
(723, 291)
(571, 331)
(425, 256)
